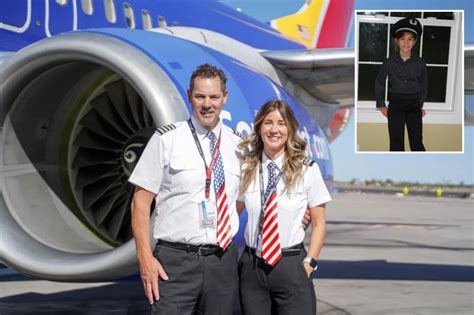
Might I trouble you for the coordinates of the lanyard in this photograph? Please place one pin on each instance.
(262, 196)
(209, 168)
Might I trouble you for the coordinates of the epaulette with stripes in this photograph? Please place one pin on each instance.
(307, 161)
(164, 129)
(238, 134)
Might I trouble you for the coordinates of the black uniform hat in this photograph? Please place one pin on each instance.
(407, 24)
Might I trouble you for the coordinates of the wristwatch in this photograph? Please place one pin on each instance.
(312, 262)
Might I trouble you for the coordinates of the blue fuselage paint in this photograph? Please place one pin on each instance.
(28, 21)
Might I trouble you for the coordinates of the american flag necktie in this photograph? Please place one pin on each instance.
(271, 246)
(223, 220)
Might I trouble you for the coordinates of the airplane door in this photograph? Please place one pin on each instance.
(15, 15)
(60, 16)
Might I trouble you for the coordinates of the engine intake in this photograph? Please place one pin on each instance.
(77, 111)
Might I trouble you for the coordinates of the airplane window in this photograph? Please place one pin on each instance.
(146, 20)
(87, 7)
(129, 17)
(162, 21)
(61, 2)
(110, 11)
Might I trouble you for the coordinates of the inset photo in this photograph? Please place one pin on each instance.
(409, 81)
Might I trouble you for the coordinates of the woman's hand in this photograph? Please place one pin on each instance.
(318, 232)
(384, 110)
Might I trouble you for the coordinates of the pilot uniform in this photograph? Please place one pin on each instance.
(408, 89)
(286, 284)
(202, 276)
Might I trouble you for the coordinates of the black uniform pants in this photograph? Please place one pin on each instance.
(197, 284)
(283, 289)
(397, 118)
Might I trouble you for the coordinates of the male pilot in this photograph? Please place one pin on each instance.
(192, 167)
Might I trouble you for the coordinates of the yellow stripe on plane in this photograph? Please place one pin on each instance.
(304, 25)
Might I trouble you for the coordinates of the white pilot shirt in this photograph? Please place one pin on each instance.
(172, 168)
(309, 192)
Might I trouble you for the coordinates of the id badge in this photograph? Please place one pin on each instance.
(207, 214)
(258, 248)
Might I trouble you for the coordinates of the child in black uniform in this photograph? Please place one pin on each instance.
(408, 85)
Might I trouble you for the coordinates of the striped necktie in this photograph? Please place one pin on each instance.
(223, 220)
(271, 245)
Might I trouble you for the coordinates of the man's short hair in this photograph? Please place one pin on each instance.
(208, 71)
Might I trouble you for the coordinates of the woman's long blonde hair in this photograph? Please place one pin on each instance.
(295, 147)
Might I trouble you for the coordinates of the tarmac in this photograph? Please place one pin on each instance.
(383, 254)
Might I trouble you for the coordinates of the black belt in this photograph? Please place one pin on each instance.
(287, 251)
(202, 250)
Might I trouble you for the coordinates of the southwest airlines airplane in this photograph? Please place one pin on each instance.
(84, 84)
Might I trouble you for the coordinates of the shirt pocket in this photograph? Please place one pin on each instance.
(185, 175)
(295, 199)
(253, 202)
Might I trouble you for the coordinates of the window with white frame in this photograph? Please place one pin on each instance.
(87, 7)
(437, 46)
(146, 20)
(129, 15)
(162, 21)
(110, 11)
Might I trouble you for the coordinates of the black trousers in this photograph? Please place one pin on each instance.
(398, 117)
(197, 284)
(283, 289)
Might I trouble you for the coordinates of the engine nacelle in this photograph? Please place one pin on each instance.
(77, 110)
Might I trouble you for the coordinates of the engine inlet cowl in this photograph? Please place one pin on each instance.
(77, 110)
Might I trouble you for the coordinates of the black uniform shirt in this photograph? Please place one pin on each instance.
(407, 80)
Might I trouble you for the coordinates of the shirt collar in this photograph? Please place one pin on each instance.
(278, 161)
(399, 58)
(201, 131)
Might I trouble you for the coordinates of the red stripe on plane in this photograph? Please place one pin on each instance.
(336, 26)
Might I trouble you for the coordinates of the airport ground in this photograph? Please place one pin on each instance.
(384, 254)
(425, 190)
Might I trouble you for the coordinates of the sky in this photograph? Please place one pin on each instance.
(421, 167)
